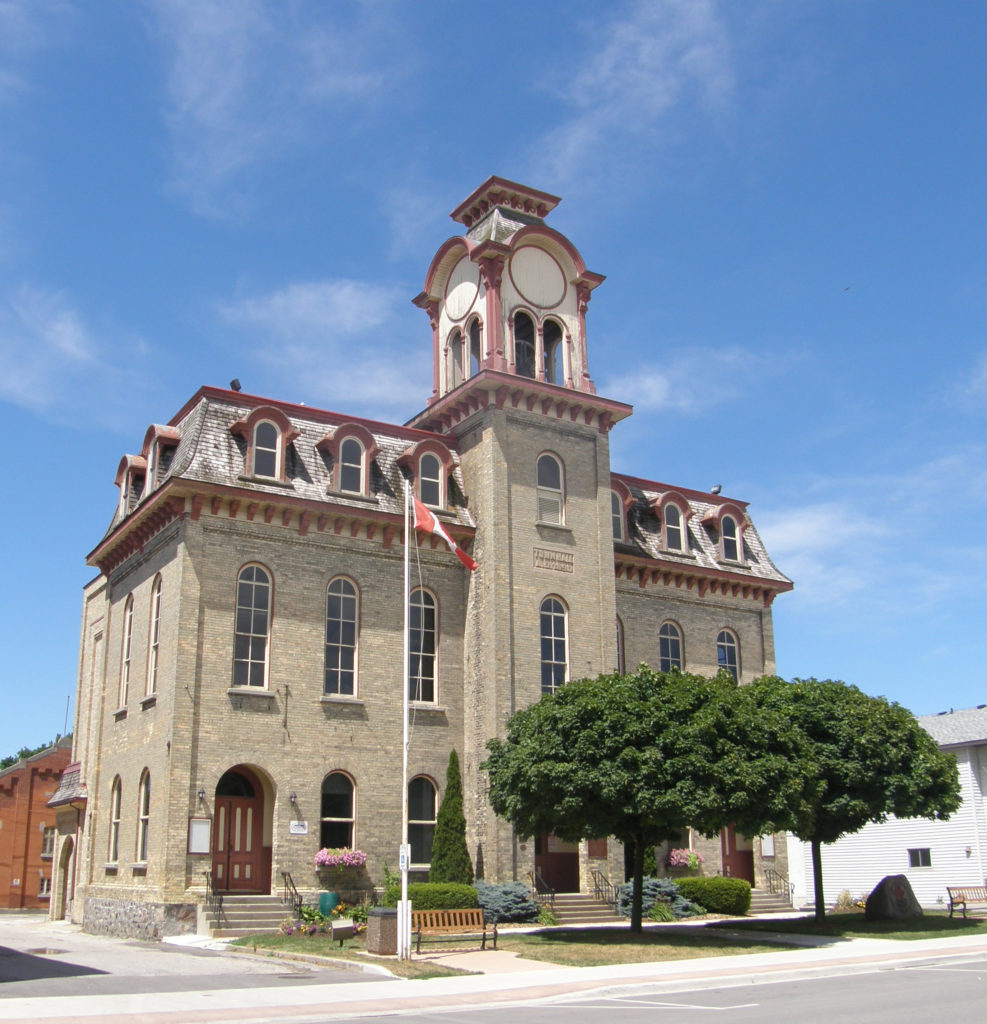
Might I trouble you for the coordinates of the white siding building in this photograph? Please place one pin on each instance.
(932, 854)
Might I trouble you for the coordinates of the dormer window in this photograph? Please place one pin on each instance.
(524, 345)
(673, 510)
(729, 540)
(672, 526)
(430, 480)
(617, 515)
(726, 523)
(552, 338)
(267, 450)
(351, 466)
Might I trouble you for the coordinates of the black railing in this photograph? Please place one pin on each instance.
(290, 896)
(604, 890)
(541, 891)
(214, 898)
(778, 883)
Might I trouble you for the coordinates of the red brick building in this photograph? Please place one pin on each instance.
(27, 826)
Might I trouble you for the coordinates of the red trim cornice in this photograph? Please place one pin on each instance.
(703, 581)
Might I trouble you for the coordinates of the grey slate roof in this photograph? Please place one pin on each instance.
(950, 728)
(644, 533)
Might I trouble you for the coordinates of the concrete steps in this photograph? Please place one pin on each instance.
(242, 915)
(764, 902)
(582, 908)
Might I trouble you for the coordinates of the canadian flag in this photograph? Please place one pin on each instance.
(425, 520)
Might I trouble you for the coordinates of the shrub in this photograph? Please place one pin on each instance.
(718, 895)
(661, 911)
(450, 857)
(655, 890)
(546, 916)
(508, 901)
(434, 896)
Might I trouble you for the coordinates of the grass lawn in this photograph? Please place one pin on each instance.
(934, 924)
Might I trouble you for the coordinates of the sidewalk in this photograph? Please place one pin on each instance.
(506, 979)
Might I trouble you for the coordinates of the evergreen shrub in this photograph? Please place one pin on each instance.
(653, 891)
(450, 860)
(434, 896)
(718, 895)
(506, 901)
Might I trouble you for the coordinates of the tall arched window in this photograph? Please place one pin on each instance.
(421, 820)
(253, 625)
(669, 647)
(620, 647)
(728, 653)
(617, 515)
(113, 849)
(524, 345)
(430, 480)
(342, 609)
(552, 339)
(423, 646)
(143, 815)
(456, 358)
(475, 356)
(672, 521)
(267, 449)
(125, 650)
(154, 639)
(728, 539)
(551, 490)
(336, 829)
(554, 645)
(351, 478)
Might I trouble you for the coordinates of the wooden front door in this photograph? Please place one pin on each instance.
(557, 862)
(738, 855)
(239, 860)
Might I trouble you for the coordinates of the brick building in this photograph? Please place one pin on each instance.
(241, 668)
(27, 826)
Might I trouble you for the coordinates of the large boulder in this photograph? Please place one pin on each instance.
(892, 900)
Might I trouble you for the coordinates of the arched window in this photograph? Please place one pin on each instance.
(421, 820)
(551, 491)
(143, 815)
(430, 480)
(125, 651)
(669, 646)
(672, 523)
(342, 611)
(351, 478)
(728, 653)
(456, 358)
(524, 345)
(729, 541)
(552, 339)
(113, 850)
(253, 625)
(475, 355)
(267, 450)
(154, 639)
(620, 647)
(336, 829)
(554, 645)
(617, 515)
(423, 646)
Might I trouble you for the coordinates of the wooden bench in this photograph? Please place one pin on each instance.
(451, 922)
(961, 895)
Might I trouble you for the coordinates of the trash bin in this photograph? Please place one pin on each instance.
(382, 930)
(328, 901)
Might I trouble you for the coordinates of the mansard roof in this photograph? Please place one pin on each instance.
(642, 548)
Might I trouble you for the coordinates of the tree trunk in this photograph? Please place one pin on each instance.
(637, 900)
(817, 880)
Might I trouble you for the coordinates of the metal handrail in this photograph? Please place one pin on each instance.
(214, 898)
(778, 883)
(603, 889)
(290, 895)
(541, 891)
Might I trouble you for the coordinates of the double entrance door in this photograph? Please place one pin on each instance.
(240, 862)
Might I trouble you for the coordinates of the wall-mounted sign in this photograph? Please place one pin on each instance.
(198, 835)
(298, 828)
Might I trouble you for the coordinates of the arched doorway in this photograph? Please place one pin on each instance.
(738, 855)
(240, 860)
(65, 881)
(557, 863)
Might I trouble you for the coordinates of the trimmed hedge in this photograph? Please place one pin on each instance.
(718, 895)
(507, 901)
(653, 891)
(434, 895)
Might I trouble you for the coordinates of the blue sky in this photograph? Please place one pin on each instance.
(787, 200)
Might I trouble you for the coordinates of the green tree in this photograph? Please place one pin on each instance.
(638, 756)
(853, 758)
(450, 856)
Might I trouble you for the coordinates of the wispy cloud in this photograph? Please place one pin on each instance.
(971, 392)
(338, 341)
(25, 28)
(644, 65)
(55, 366)
(249, 81)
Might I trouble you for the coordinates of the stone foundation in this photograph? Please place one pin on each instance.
(130, 919)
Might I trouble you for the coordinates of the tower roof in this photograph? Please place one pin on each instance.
(509, 195)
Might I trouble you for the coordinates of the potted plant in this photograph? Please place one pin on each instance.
(684, 862)
(336, 865)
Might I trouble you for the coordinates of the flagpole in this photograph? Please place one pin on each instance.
(404, 856)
